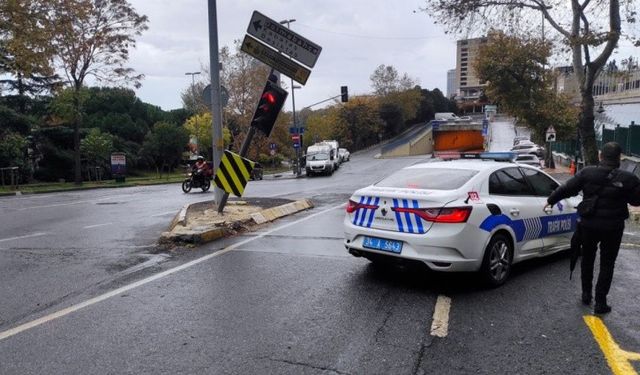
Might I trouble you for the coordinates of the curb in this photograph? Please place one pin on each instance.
(211, 234)
(180, 218)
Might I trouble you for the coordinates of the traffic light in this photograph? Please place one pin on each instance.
(270, 104)
(345, 93)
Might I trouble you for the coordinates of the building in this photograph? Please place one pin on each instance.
(610, 87)
(468, 86)
(452, 88)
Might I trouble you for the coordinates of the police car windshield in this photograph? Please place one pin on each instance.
(428, 178)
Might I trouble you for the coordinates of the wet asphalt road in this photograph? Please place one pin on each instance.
(285, 299)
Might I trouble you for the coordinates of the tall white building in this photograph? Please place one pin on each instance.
(452, 88)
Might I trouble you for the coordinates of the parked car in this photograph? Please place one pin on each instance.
(528, 148)
(460, 215)
(529, 159)
(520, 138)
(344, 154)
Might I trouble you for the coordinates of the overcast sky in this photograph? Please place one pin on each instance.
(356, 36)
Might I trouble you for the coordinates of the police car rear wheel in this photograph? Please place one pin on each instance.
(498, 256)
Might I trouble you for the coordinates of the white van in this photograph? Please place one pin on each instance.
(319, 160)
(334, 151)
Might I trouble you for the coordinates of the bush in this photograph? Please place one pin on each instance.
(268, 160)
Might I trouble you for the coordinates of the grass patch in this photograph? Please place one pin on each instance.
(145, 178)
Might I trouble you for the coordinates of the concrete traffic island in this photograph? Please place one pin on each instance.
(198, 223)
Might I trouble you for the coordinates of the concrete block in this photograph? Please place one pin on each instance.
(258, 218)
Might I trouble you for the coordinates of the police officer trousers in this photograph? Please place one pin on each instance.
(609, 241)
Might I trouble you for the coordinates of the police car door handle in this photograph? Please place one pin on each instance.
(514, 212)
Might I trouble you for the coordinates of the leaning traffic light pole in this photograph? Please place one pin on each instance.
(269, 106)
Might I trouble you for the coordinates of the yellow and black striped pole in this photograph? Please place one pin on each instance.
(233, 173)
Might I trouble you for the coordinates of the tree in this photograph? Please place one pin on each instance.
(97, 147)
(93, 38)
(386, 79)
(518, 81)
(192, 99)
(199, 126)
(360, 122)
(164, 144)
(25, 49)
(590, 30)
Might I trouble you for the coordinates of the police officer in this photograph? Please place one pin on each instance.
(614, 189)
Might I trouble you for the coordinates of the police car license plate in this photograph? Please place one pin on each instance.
(382, 244)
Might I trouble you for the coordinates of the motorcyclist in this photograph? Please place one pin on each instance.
(200, 169)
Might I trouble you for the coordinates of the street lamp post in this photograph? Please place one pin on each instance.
(193, 75)
(293, 107)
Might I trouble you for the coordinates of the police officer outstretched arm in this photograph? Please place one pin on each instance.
(608, 191)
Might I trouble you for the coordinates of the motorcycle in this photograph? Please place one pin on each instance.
(196, 179)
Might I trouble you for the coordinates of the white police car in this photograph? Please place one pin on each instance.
(469, 214)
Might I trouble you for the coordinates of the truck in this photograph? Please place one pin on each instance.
(320, 159)
(458, 136)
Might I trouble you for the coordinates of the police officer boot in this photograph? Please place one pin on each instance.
(586, 298)
(601, 306)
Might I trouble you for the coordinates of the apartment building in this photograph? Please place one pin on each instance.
(468, 85)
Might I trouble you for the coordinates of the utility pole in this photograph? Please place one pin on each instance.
(216, 108)
(293, 107)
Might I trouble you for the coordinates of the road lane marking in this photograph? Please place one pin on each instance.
(629, 245)
(66, 311)
(440, 321)
(25, 236)
(164, 213)
(619, 360)
(96, 225)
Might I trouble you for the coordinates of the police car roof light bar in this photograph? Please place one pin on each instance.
(455, 155)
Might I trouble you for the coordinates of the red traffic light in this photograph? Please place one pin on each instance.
(269, 106)
(267, 100)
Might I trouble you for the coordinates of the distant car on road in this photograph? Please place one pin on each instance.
(344, 154)
(460, 215)
(528, 148)
(529, 159)
(521, 138)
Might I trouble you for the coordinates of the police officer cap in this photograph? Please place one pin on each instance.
(200, 157)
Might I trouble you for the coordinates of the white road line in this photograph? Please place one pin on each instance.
(25, 236)
(440, 323)
(164, 213)
(96, 225)
(113, 293)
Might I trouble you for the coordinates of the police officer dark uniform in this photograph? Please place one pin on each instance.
(615, 189)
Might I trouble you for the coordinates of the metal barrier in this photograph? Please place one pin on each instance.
(627, 137)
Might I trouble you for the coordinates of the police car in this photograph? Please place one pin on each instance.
(478, 212)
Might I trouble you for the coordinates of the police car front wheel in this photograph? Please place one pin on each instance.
(498, 256)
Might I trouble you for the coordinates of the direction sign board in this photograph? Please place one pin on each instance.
(283, 39)
(275, 60)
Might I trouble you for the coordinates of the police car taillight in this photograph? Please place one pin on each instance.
(354, 206)
(439, 215)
